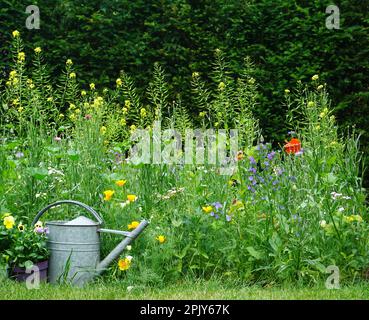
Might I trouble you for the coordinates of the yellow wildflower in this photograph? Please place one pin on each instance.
(131, 198)
(320, 87)
(69, 62)
(127, 103)
(83, 93)
(120, 183)
(72, 75)
(122, 122)
(195, 74)
(49, 99)
(161, 239)
(38, 50)
(207, 209)
(9, 222)
(16, 34)
(133, 225)
(119, 82)
(124, 264)
(287, 91)
(202, 114)
(125, 110)
(92, 86)
(108, 194)
(315, 77)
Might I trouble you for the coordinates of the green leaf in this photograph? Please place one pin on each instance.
(256, 254)
(38, 173)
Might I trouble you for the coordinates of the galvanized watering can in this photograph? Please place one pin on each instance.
(75, 246)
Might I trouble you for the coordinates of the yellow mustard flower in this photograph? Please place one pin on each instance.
(131, 198)
(83, 93)
(221, 86)
(133, 225)
(92, 86)
(127, 103)
(21, 56)
(311, 104)
(9, 222)
(315, 77)
(72, 75)
(161, 239)
(195, 74)
(120, 183)
(69, 62)
(16, 34)
(320, 87)
(12, 74)
(287, 91)
(108, 194)
(133, 128)
(119, 82)
(103, 130)
(143, 112)
(38, 50)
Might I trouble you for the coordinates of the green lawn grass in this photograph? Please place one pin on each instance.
(10, 290)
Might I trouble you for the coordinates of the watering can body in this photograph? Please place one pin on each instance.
(74, 246)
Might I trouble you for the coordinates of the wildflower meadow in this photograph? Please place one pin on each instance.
(221, 201)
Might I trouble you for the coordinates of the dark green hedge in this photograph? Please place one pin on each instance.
(287, 40)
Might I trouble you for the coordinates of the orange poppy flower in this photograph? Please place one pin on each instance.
(293, 146)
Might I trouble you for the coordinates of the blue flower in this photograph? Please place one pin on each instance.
(252, 160)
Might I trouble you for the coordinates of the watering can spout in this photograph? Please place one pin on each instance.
(116, 252)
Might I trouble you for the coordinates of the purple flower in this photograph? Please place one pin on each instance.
(19, 155)
(271, 155)
(253, 170)
(216, 216)
(266, 163)
(217, 205)
(251, 178)
(39, 230)
(228, 218)
(212, 214)
(275, 182)
(250, 188)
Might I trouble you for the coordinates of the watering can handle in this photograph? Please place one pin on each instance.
(80, 204)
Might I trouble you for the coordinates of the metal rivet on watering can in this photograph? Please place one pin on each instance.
(75, 246)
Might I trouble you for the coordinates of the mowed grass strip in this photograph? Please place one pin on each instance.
(10, 290)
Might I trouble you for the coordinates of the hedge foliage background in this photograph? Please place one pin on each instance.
(287, 40)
